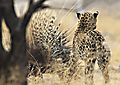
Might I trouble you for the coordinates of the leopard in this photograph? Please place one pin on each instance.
(89, 45)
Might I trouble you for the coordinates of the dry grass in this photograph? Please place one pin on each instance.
(109, 27)
(111, 33)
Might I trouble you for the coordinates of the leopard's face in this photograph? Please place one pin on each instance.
(87, 21)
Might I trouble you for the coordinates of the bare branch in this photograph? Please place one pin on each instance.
(17, 27)
(32, 8)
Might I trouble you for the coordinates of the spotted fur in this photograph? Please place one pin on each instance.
(89, 45)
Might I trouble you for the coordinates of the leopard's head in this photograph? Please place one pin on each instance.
(87, 21)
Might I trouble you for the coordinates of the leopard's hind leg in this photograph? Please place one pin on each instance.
(89, 68)
(103, 62)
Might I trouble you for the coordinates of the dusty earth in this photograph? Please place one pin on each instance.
(109, 26)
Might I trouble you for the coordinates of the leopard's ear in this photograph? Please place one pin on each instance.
(78, 15)
(96, 14)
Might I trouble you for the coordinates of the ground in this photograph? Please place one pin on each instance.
(52, 79)
(109, 26)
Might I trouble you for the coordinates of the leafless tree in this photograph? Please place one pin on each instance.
(13, 63)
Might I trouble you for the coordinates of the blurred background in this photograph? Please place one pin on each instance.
(108, 20)
(108, 23)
